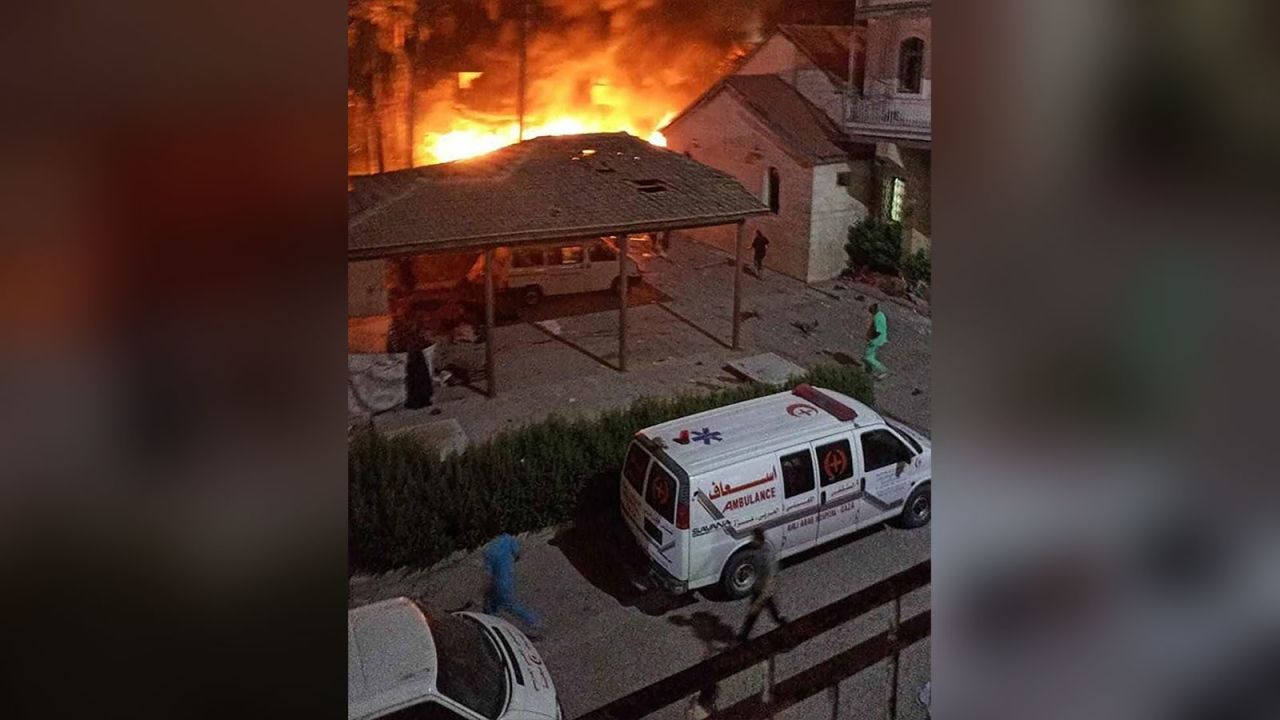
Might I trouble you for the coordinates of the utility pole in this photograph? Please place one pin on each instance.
(524, 60)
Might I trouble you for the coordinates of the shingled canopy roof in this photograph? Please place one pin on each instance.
(541, 190)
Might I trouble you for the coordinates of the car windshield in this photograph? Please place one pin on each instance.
(471, 671)
(905, 436)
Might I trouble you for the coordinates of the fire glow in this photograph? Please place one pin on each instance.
(471, 136)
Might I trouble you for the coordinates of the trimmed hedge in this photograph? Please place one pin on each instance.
(406, 507)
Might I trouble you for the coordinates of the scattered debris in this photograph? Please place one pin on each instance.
(435, 411)
(861, 298)
(550, 326)
(749, 315)
(916, 391)
(805, 327)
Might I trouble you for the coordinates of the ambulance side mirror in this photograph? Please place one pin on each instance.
(902, 465)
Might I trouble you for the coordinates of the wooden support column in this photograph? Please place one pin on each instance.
(737, 280)
(623, 282)
(489, 373)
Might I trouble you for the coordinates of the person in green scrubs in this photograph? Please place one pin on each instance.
(877, 336)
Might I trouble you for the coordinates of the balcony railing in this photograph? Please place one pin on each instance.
(911, 114)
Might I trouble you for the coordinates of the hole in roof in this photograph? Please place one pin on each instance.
(588, 151)
(650, 185)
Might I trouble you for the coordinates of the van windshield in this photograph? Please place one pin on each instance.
(905, 436)
(471, 671)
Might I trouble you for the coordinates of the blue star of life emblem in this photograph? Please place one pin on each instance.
(706, 436)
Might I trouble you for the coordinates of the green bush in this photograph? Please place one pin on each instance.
(918, 266)
(875, 244)
(406, 507)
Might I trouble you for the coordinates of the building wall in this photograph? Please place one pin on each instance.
(779, 56)
(725, 135)
(835, 208)
(884, 35)
(366, 288)
(918, 171)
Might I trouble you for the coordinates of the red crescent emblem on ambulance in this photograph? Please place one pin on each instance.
(834, 462)
(801, 410)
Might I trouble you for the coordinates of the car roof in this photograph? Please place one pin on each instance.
(391, 656)
(754, 427)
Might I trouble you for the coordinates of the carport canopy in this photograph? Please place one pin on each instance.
(544, 191)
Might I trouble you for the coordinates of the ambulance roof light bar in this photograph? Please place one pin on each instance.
(807, 392)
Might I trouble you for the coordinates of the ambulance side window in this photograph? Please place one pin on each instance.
(835, 462)
(880, 448)
(635, 466)
(797, 473)
(661, 493)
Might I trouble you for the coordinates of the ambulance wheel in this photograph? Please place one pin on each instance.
(918, 508)
(741, 573)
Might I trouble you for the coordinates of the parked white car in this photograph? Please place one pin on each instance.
(403, 664)
(807, 466)
(591, 266)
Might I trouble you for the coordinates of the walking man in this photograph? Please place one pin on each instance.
(759, 244)
(762, 593)
(500, 557)
(877, 336)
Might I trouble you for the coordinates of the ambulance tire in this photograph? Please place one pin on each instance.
(741, 573)
(918, 509)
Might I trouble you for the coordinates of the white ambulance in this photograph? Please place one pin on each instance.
(806, 466)
(403, 664)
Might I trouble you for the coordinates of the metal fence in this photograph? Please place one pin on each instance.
(762, 651)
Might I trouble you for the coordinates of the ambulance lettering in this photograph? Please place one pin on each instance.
(741, 502)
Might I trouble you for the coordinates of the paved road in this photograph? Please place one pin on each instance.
(604, 639)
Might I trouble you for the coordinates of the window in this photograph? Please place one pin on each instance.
(772, 190)
(843, 179)
(571, 255)
(797, 473)
(661, 493)
(910, 65)
(424, 711)
(835, 462)
(601, 252)
(528, 257)
(880, 448)
(636, 465)
(895, 192)
(471, 671)
(906, 436)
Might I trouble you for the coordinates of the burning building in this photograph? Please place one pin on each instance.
(438, 81)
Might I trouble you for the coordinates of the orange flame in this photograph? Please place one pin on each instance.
(468, 138)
